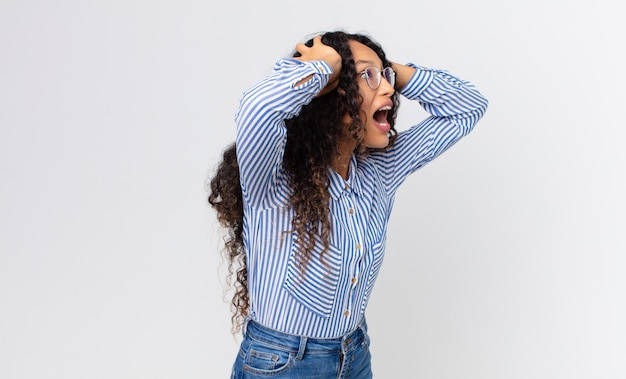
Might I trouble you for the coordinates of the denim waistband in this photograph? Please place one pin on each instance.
(300, 344)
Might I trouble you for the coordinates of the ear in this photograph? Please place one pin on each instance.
(341, 91)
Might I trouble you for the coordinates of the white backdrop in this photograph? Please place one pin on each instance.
(505, 258)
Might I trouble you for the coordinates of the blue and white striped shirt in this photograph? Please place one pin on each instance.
(331, 298)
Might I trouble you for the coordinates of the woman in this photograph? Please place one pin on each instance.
(306, 193)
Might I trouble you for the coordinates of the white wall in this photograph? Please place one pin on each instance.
(505, 256)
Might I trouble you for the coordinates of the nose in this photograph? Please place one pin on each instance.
(385, 87)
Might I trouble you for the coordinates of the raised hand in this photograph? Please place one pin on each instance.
(318, 52)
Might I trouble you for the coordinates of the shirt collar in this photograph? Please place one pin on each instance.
(339, 185)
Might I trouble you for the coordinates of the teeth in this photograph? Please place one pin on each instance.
(386, 108)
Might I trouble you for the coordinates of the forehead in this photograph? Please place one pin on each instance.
(363, 55)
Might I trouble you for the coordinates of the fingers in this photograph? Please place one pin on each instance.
(300, 48)
(403, 74)
(319, 51)
(317, 40)
(306, 50)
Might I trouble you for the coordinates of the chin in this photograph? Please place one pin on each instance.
(380, 144)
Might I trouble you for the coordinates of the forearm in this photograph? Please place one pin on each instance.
(261, 119)
(455, 107)
(443, 94)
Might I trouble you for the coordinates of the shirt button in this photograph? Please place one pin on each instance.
(346, 313)
(358, 246)
(346, 187)
(351, 211)
(354, 280)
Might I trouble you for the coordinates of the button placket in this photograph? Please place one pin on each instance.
(356, 255)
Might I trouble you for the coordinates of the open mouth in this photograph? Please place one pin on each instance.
(380, 116)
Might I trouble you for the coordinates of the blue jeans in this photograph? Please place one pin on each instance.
(267, 353)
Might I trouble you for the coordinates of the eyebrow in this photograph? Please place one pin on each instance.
(365, 61)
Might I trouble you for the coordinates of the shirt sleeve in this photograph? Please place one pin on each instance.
(454, 105)
(261, 131)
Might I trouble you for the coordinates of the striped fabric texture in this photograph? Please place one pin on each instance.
(330, 299)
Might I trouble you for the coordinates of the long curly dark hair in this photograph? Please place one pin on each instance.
(312, 144)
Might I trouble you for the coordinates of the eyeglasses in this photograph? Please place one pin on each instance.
(373, 76)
